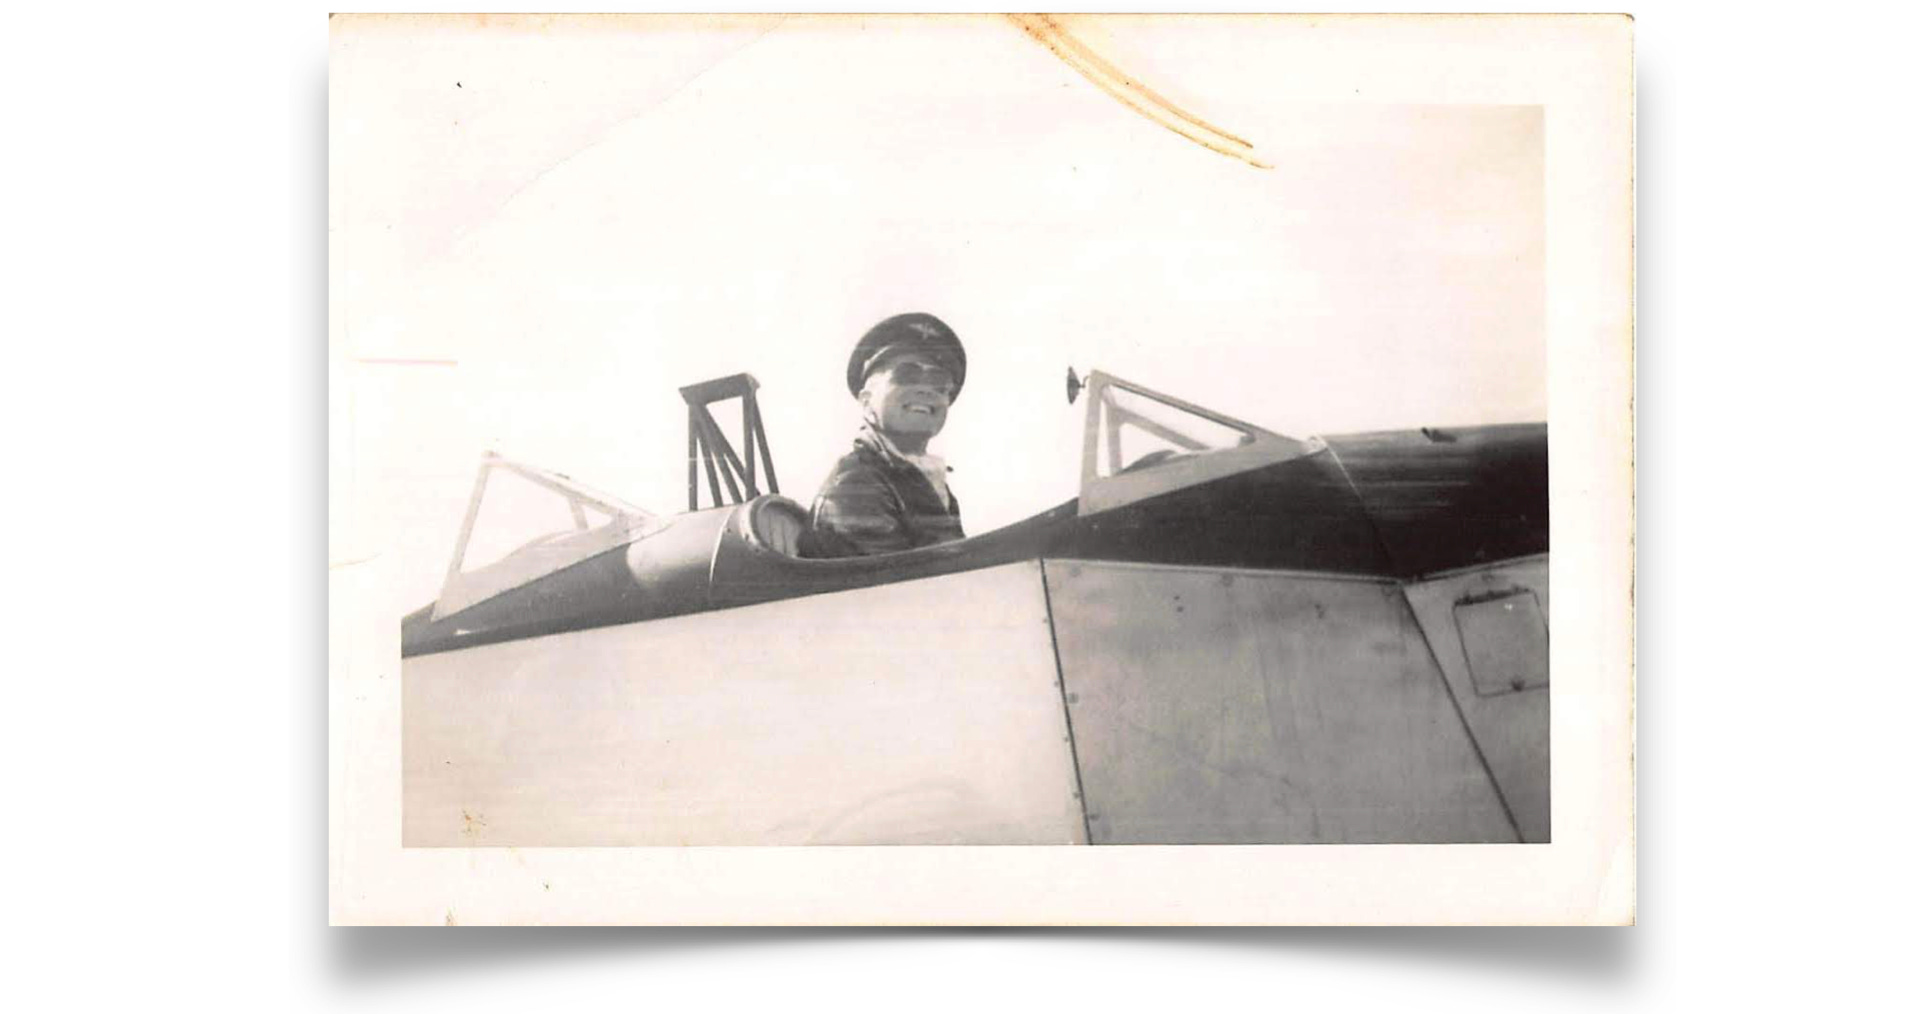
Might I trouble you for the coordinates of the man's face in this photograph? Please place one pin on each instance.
(909, 394)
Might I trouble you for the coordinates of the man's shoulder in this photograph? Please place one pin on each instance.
(858, 510)
(858, 466)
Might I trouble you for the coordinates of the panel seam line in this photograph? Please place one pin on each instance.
(1066, 711)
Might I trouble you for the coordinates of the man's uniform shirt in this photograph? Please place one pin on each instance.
(879, 500)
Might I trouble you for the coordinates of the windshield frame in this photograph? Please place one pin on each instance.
(1104, 489)
(544, 555)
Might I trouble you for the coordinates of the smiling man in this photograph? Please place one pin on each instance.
(888, 494)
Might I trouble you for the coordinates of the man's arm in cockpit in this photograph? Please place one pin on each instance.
(858, 514)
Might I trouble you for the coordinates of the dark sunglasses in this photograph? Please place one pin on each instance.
(915, 374)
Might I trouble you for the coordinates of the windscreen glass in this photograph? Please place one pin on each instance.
(1138, 432)
(515, 514)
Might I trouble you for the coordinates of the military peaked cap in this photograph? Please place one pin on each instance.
(907, 332)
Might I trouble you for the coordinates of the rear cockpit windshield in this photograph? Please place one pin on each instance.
(523, 523)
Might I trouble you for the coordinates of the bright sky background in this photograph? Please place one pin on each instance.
(581, 219)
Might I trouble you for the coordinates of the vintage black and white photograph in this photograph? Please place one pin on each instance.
(1119, 434)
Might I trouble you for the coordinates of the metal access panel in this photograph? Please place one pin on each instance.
(1505, 639)
(1244, 707)
(1488, 627)
(925, 712)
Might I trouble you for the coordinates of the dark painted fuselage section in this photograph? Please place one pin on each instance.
(1400, 504)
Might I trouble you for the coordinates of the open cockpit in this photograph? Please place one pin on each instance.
(1162, 481)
